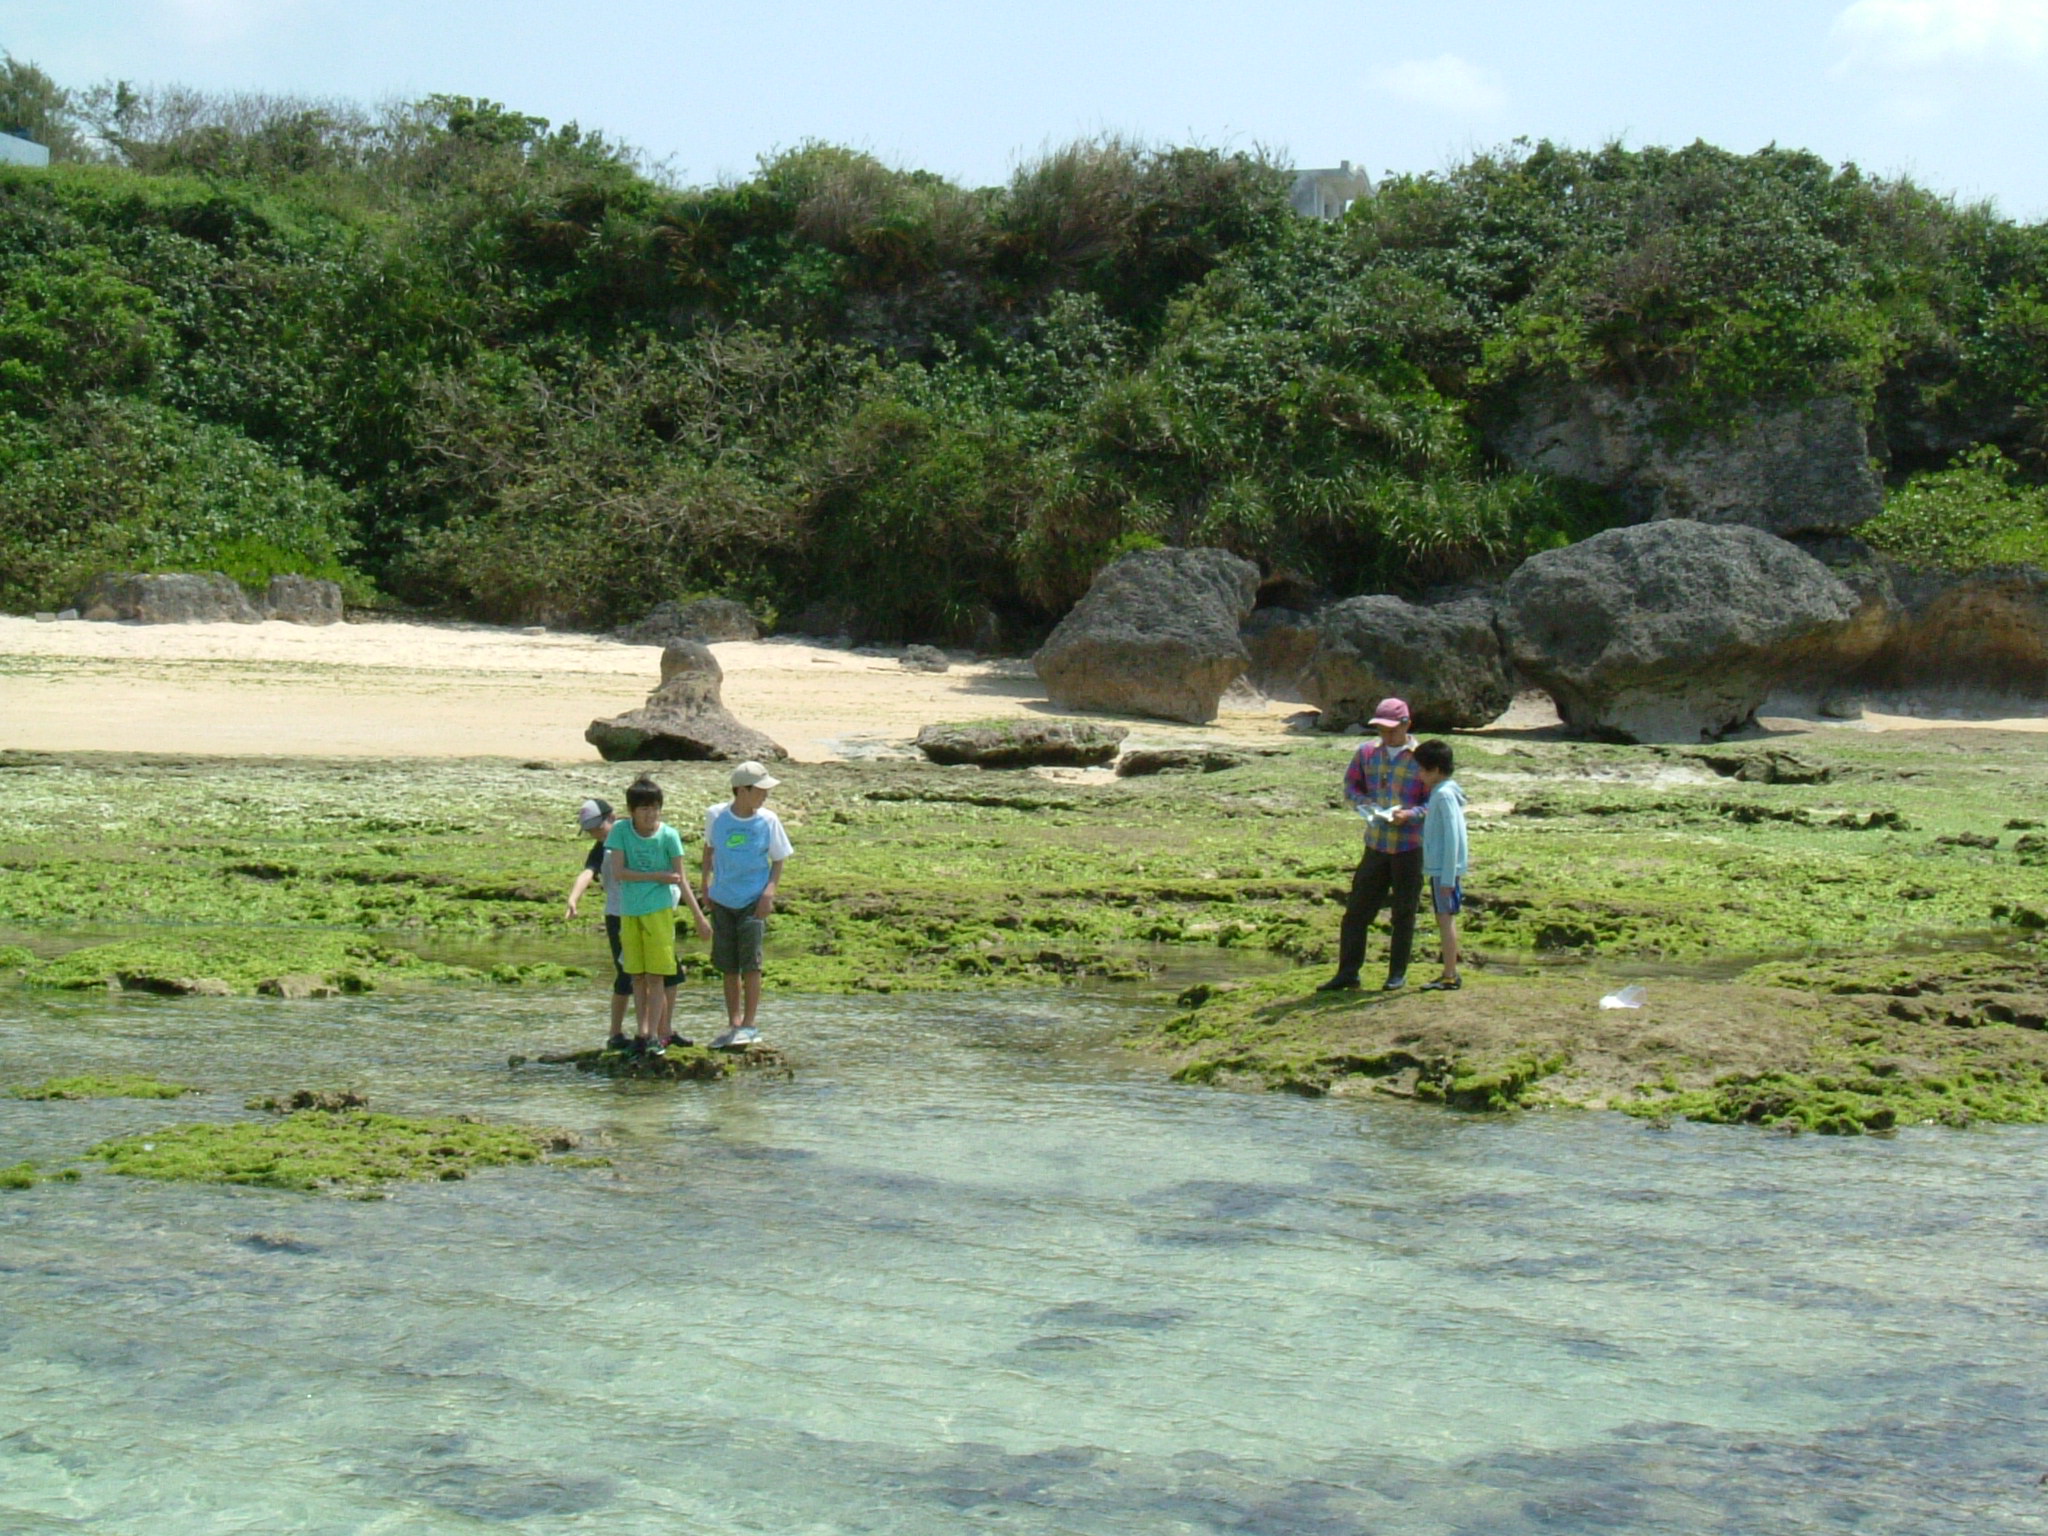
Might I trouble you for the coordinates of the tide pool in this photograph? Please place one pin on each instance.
(975, 1268)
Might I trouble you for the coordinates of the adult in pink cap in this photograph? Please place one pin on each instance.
(1385, 787)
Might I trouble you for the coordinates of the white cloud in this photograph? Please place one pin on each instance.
(1445, 83)
(1918, 34)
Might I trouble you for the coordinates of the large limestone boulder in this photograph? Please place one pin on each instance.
(1156, 634)
(1280, 641)
(1443, 658)
(1790, 469)
(180, 598)
(707, 619)
(1668, 631)
(685, 719)
(303, 600)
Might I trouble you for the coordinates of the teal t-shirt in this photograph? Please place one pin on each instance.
(648, 854)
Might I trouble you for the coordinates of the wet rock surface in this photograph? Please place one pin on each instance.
(1022, 743)
(1156, 634)
(1669, 631)
(679, 1064)
(1444, 658)
(685, 719)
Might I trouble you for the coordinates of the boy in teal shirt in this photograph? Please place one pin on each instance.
(1445, 852)
(645, 857)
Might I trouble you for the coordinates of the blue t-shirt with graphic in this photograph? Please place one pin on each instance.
(647, 854)
(742, 850)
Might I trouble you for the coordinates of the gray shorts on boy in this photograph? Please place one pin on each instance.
(736, 937)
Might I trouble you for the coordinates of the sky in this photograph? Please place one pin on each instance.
(1951, 92)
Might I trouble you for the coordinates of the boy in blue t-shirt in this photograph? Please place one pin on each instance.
(645, 857)
(744, 846)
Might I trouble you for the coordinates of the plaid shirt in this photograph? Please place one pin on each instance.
(1380, 777)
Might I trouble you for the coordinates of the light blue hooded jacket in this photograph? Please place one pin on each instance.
(1444, 849)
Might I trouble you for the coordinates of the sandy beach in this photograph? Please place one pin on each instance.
(392, 689)
(449, 690)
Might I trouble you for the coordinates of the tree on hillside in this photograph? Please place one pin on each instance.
(34, 106)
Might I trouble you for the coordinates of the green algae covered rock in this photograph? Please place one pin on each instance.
(120, 1086)
(680, 1064)
(312, 1150)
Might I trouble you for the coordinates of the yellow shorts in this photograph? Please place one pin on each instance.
(647, 943)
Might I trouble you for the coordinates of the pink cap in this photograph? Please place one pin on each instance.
(1391, 712)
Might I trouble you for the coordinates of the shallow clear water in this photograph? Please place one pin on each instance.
(973, 1269)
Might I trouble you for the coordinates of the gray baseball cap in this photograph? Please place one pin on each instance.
(593, 813)
(751, 775)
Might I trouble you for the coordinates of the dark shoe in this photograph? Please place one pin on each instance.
(1341, 982)
(1443, 984)
(683, 1040)
(1396, 982)
(618, 1043)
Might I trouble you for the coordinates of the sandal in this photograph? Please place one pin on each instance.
(1443, 984)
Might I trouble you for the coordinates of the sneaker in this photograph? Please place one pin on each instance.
(684, 1041)
(724, 1039)
(746, 1035)
(1443, 984)
(658, 1048)
(1341, 982)
(618, 1043)
(1396, 982)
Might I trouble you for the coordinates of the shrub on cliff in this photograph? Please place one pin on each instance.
(1977, 512)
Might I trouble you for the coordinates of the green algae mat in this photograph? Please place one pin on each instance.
(316, 1149)
(302, 879)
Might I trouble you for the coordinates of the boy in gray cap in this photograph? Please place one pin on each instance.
(744, 846)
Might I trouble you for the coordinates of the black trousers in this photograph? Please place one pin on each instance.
(1379, 875)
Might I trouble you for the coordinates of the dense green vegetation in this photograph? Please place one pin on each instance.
(492, 366)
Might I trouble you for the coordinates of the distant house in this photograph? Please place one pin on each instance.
(1326, 194)
(16, 150)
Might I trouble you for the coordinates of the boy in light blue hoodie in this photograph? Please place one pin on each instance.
(1444, 852)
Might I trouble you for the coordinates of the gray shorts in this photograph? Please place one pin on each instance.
(736, 936)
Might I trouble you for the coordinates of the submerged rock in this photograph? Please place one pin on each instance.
(683, 720)
(1022, 743)
(1156, 634)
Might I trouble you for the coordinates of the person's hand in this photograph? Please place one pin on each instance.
(1403, 815)
(670, 877)
(571, 913)
(704, 928)
(765, 907)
